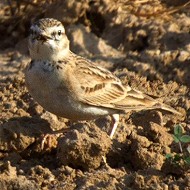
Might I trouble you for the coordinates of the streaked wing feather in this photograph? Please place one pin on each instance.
(100, 87)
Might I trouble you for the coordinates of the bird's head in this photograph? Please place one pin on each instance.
(47, 40)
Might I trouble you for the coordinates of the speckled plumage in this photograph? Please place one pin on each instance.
(73, 87)
(47, 22)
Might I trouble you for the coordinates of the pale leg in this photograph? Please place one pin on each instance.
(115, 118)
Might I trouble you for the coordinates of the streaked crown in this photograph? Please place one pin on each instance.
(47, 23)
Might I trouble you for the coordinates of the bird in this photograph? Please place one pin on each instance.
(74, 87)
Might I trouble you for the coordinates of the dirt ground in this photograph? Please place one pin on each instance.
(147, 45)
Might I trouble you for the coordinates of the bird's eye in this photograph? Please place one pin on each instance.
(59, 32)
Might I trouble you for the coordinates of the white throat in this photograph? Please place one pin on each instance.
(41, 53)
(51, 50)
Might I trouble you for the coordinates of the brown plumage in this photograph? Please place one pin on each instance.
(73, 87)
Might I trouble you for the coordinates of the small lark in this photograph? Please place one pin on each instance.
(71, 86)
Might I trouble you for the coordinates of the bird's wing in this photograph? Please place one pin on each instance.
(96, 86)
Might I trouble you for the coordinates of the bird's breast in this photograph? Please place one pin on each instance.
(47, 87)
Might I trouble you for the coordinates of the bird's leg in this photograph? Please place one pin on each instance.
(115, 120)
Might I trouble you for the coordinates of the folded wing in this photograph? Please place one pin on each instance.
(100, 87)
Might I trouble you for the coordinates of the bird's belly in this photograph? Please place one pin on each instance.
(45, 89)
(64, 106)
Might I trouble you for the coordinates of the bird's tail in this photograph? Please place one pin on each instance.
(165, 107)
(137, 101)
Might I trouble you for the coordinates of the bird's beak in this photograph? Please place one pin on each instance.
(43, 38)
